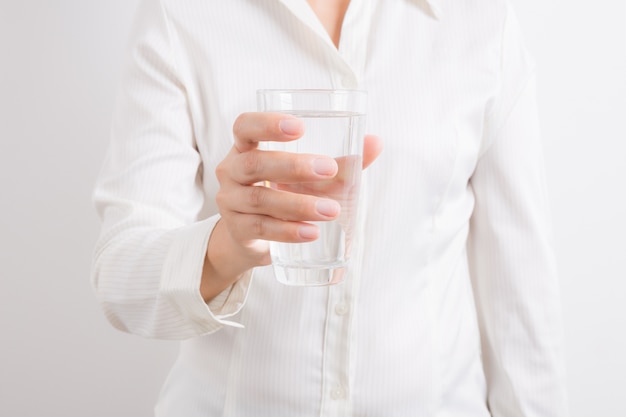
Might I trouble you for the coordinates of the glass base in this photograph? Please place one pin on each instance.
(308, 277)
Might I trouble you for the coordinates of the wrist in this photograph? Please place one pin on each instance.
(226, 262)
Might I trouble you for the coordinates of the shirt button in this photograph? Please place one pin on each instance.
(341, 309)
(338, 393)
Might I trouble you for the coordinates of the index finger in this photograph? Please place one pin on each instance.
(251, 128)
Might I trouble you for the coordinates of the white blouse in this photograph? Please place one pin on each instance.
(451, 304)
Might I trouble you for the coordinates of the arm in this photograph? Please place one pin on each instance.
(511, 254)
(159, 269)
(157, 263)
(149, 259)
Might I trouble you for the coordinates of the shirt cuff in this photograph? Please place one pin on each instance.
(181, 276)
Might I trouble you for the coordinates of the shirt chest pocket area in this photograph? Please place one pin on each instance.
(421, 158)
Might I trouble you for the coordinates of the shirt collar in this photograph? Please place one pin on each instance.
(432, 7)
(303, 11)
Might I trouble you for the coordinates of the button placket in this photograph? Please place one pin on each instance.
(337, 347)
(346, 68)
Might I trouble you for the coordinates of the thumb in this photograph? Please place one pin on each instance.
(372, 147)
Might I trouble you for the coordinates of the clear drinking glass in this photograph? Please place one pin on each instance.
(334, 122)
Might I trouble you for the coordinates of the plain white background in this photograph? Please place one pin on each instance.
(59, 65)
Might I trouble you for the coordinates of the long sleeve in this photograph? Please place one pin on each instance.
(149, 257)
(511, 256)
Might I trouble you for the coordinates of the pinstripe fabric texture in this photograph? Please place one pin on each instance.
(451, 305)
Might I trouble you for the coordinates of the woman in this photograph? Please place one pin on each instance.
(450, 306)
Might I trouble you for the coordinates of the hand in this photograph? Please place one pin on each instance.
(251, 215)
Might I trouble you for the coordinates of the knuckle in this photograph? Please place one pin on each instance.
(221, 171)
(297, 169)
(239, 125)
(304, 206)
(232, 226)
(251, 164)
(299, 207)
(258, 226)
(221, 199)
(256, 196)
(270, 128)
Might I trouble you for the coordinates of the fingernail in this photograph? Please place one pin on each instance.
(291, 126)
(325, 166)
(328, 208)
(308, 231)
